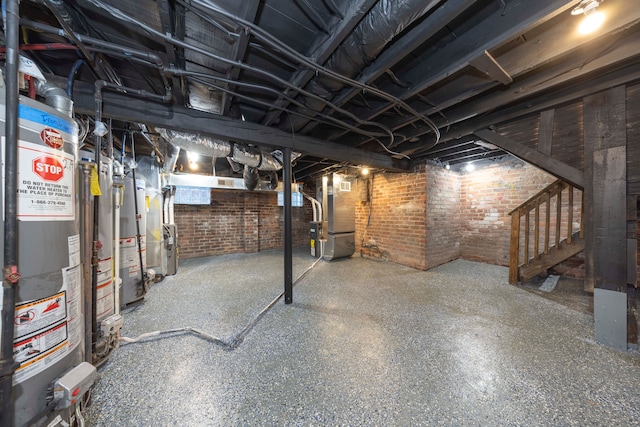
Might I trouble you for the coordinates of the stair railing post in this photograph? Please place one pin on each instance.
(515, 247)
(570, 216)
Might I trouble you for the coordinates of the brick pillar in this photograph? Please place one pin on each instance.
(250, 216)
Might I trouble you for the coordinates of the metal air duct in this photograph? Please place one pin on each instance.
(55, 97)
(252, 158)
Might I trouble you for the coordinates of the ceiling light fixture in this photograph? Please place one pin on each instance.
(593, 19)
(365, 171)
(470, 167)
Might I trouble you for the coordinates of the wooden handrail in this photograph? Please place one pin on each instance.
(545, 196)
(551, 189)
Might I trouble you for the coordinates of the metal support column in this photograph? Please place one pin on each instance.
(288, 245)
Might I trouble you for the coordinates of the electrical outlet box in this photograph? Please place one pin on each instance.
(70, 387)
(111, 324)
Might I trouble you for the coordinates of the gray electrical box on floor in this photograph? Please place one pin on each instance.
(171, 247)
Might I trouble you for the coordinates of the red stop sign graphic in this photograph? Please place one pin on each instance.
(48, 168)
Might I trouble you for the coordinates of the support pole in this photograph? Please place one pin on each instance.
(10, 275)
(605, 153)
(288, 246)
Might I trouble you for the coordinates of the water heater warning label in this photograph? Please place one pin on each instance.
(45, 183)
(48, 329)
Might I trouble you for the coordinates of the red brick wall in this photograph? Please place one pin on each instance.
(488, 195)
(237, 221)
(443, 216)
(397, 230)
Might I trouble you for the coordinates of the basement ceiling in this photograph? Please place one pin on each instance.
(382, 83)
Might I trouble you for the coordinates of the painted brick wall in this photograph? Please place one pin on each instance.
(443, 216)
(237, 221)
(488, 195)
(396, 206)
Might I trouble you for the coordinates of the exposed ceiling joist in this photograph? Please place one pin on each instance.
(323, 48)
(493, 32)
(250, 9)
(401, 48)
(549, 46)
(129, 109)
(574, 92)
(624, 48)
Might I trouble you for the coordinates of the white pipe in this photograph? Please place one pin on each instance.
(165, 208)
(317, 216)
(171, 211)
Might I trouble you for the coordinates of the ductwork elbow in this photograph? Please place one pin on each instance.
(55, 97)
(171, 160)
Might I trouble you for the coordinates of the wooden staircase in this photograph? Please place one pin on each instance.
(532, 249)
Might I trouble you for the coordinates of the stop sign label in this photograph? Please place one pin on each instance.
(48, 168)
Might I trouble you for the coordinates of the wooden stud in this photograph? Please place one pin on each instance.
(545, 132)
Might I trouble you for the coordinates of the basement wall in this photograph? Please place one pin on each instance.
(432, 215)
(420, 219)
(236, 222)
(391, 218)
(444, 216)
(488, 195)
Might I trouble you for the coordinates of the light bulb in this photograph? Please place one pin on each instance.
(591, 22)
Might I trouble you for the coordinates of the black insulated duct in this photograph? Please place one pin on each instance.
(385, 20)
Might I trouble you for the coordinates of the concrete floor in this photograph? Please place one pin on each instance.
(364, 343)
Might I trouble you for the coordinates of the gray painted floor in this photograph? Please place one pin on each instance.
(364, 343)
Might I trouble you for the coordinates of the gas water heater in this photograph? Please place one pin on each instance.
(48, 322)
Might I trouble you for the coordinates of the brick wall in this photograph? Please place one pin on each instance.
(443, 216)
(488, 195)
(396, 206)
(420, 219)
(237, 221)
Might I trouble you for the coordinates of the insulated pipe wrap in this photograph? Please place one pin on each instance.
(236, 154)
(196, 143)
(171, 159)
(246, 156)
(269, 163)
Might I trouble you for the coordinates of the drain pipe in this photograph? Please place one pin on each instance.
(99, 131)
(138, 216)
(10, 273)
(86, 256)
